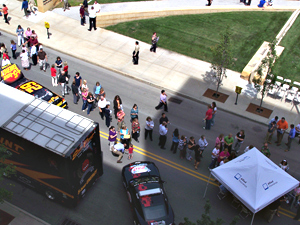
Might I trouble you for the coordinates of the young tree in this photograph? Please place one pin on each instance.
(206, 220)
(265, 71)
(222, 58)
(5, 170)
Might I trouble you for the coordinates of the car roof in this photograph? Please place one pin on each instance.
(140, 169)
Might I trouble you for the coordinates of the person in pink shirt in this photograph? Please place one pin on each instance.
(220, 141)
(223, 155)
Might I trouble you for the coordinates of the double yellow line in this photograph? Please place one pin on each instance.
(186, 170)
(168, 162)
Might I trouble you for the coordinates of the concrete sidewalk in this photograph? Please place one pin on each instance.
(16, 216)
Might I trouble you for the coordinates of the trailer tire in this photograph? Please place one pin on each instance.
(50, 195)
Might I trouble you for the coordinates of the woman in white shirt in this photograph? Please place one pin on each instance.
(149, 128)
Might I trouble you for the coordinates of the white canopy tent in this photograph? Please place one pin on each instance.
(254, 179)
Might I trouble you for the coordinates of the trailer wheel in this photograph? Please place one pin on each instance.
(50, 195)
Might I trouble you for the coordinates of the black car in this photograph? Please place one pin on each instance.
(13, 76)
(146, 194)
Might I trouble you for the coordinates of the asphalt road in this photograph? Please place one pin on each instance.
(106, 202)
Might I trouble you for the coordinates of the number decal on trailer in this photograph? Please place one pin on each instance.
(30, 87)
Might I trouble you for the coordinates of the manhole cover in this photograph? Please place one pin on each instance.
(175, 100)
(67, 221)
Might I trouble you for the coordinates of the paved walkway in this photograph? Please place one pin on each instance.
(18, 216)
(182, 75)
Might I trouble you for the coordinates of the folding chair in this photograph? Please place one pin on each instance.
(222, 193)
(288, 81)
(285, 87)
(296, 83)
(244, 212)
(280, 93)
(279, 78)
(290, 96)
(235, 203)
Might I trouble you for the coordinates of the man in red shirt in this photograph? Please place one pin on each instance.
(208, 117)
(282, 126)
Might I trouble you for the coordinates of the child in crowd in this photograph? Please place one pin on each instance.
(130, 152)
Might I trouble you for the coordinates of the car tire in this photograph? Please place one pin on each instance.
(129, 197)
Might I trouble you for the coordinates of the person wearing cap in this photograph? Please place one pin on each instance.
(82, 15)
(163, 101)
(42, 59)
(282, 126)
(291, 136)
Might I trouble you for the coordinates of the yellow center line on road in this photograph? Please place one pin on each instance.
(186, 170)
(293, 214)
(168, 162)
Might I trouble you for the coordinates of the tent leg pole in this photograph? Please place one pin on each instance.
(207, 185)
(252, 218)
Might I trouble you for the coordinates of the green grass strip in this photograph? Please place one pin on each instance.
(193, 35)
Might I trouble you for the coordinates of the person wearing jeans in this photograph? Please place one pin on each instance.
(190, 149)
(282, 126)
(163, 130)
(291, 137)
(62, 81)
(208, 117)
(214, 156)
(175, 141)
(42, 59)
(239, 139)
(149, 128)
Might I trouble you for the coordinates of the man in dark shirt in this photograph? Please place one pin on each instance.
(86, 6)
(62, 80)
(163, 119)
(271, 129)
(82, 15)
(42, 59)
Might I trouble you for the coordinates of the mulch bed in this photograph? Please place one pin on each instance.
(209, 93)
(5, 218)
(252, 108)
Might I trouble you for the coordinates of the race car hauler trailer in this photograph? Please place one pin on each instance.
(56, 152)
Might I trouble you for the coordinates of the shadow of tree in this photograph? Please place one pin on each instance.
(250, 91)
(209, 76)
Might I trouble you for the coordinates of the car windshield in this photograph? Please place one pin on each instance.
(143, 180)
(155, 212)
(44, 94)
